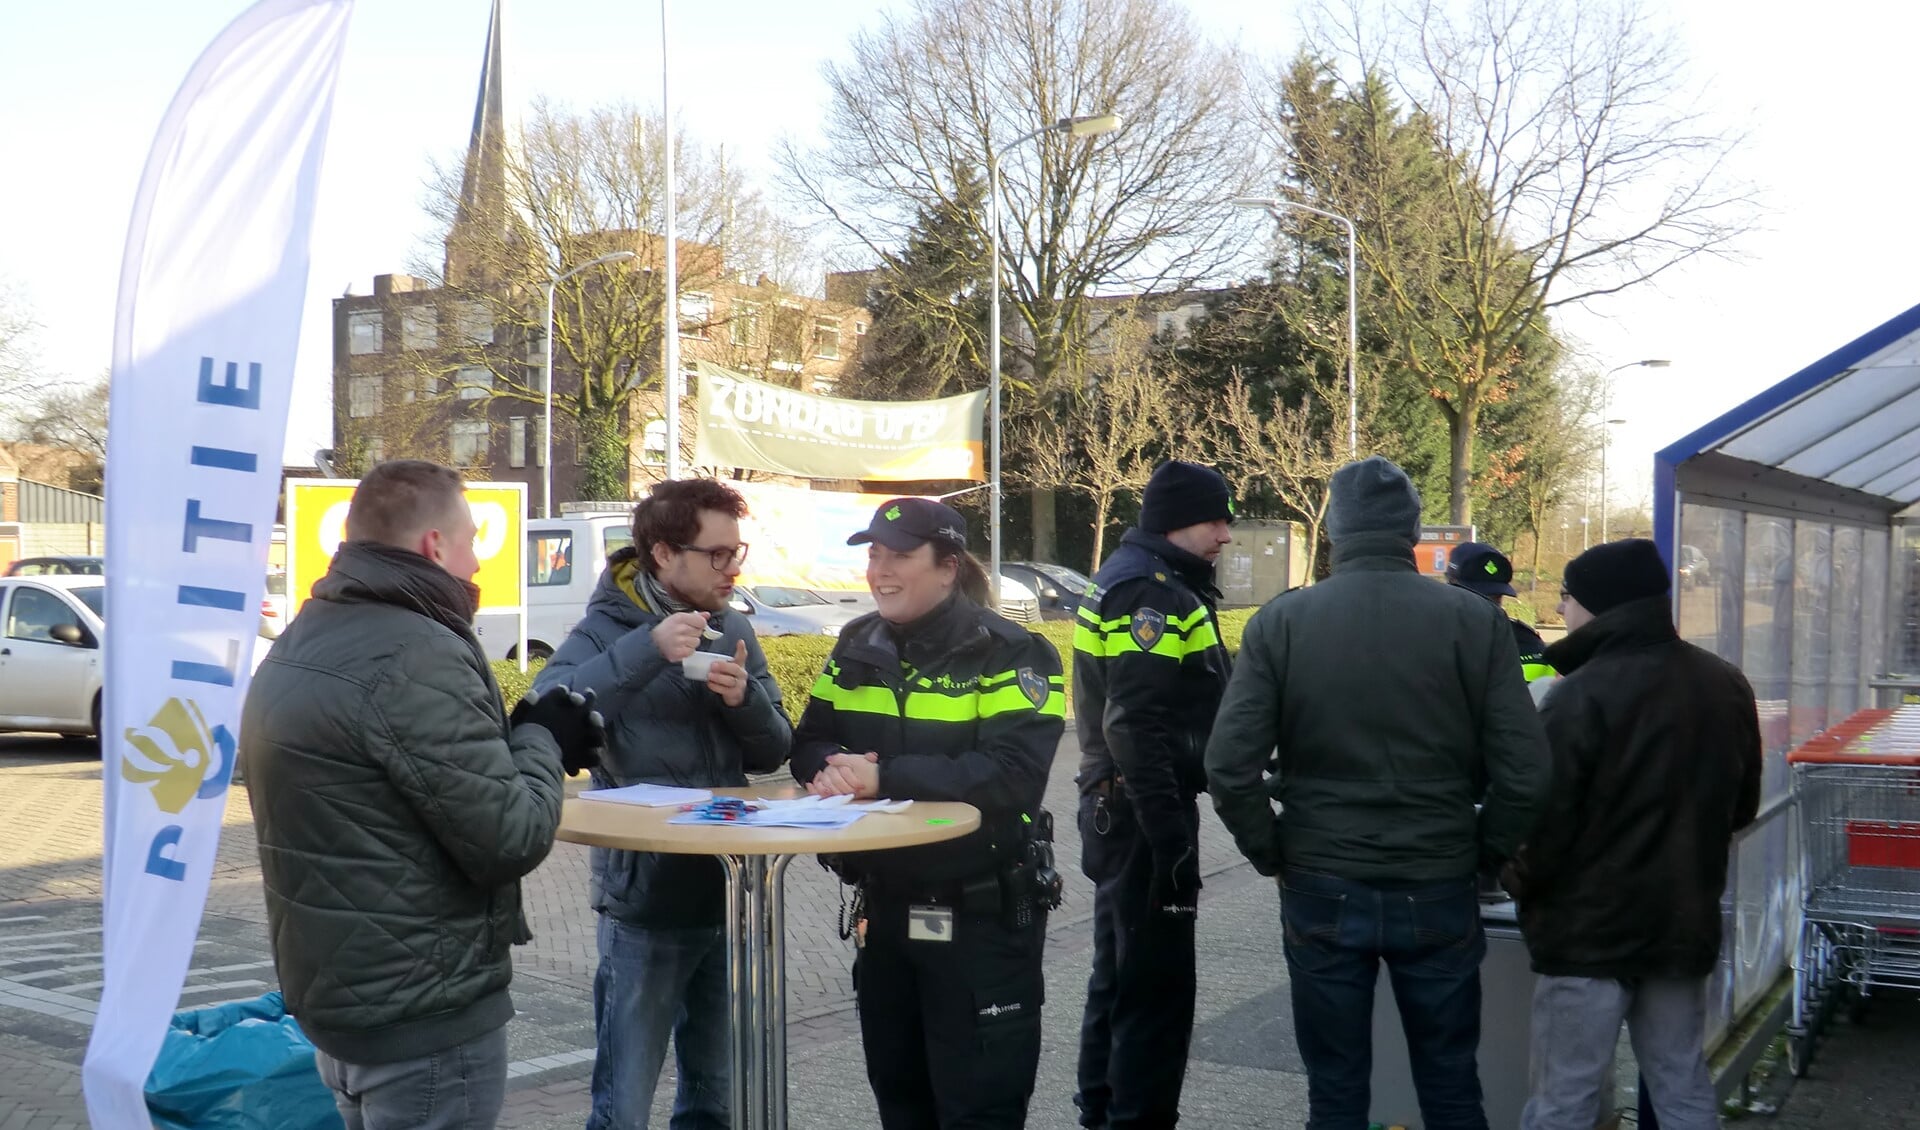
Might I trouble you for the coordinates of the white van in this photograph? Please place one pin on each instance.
(565, 557)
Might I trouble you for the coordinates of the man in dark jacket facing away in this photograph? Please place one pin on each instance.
(1148, 670)
(1657, 755)
(663, 954)
(1394, 704)
(396, 807)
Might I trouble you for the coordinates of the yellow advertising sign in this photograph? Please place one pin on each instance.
(317, 524)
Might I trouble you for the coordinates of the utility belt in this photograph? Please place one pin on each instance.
(1015, 891)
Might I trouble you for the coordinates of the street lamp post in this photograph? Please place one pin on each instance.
(546, 418)
(670, 348)
(1085, 125)
(1606, 436)
(1273, 206)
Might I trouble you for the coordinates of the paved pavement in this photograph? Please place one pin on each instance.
(1245, 1071)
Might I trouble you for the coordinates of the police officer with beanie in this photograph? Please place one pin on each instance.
(936, 697)
(1480, 568)
(1149, 670)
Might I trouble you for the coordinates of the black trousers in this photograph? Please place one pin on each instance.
(1138, 1023)
(951, 1028)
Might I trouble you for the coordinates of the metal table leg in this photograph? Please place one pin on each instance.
(757, 989)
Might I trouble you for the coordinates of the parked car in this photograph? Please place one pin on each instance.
(1692, 567)
(51, 627)
(1017, 601)
(273, 605)
(1057, 587)
(57, 567)
(777, 610)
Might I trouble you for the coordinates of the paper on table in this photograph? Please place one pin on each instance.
(816, 816)
(650, 796)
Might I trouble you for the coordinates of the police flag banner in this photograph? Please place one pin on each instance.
(204, 338)
(749, 423)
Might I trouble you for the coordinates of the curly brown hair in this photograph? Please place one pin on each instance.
(671, 513)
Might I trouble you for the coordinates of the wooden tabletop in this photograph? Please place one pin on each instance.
(632, 827)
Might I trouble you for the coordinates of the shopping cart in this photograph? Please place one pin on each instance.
(1857, 787)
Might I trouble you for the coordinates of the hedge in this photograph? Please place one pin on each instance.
(796, 661)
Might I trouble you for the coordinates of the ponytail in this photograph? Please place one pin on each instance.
(971, 576)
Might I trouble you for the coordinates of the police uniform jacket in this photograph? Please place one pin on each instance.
(1149, 670)
(961, 705)
(1533, 652)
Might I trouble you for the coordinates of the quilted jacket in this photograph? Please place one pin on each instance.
(395, 812)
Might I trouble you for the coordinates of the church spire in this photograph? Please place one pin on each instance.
(483, 184)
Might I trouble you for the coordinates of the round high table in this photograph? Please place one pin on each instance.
(756, 863)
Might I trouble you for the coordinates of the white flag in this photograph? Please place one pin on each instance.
(204, 341)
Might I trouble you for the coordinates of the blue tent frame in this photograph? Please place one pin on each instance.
(1782, 402)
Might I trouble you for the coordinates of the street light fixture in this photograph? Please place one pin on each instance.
(546, 420)
(1084, 125)
(1273, 207)
(1606, 439)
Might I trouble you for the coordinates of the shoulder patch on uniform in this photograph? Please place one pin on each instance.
(1034, 685)
(1147, 627)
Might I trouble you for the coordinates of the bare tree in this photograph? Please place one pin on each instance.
(579, 185)
(931, 96)
(1293, 449)
(1577, 165)
(1109, 432)
(21, 378)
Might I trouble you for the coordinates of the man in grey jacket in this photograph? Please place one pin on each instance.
(1394, 706)
(397, 805)
(663, 961)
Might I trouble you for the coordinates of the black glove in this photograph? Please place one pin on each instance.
(1175, 886)
(570, 717)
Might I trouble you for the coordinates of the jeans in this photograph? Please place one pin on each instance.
(652, 982)
(1576, 1023)
(460, 1088)
(1337, 932)
(1138, 1023)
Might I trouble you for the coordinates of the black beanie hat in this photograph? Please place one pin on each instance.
(1184, 494)
(1615, 573)
(1373, 497)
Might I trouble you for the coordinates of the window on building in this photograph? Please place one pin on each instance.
(549, 559)
(517, 442)
(474, 383)
(366, 332)
(420, 327)
(1165, 322)
(859, 329)
(696, 314)
(787, 340)
(653, 443)
(475, 324)
(745, 325)
(376, 450)
(469, 443)
(363, 397)
(826, 338)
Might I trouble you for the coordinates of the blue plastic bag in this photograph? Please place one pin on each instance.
(239, 1066)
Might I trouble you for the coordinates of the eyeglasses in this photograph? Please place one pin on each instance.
(721, 557)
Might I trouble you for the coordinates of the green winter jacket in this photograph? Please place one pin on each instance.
(1391, 705)
(395, 811)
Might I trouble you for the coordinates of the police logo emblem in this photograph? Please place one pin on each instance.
(1034, 685)
(1147, 628)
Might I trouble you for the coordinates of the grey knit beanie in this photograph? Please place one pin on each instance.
(1373, 497)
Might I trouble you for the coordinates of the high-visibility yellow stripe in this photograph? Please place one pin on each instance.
(1533, 671)
(939, 707)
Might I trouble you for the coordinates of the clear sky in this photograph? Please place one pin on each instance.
(1823, 92)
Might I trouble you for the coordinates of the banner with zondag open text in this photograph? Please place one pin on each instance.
(204, 339)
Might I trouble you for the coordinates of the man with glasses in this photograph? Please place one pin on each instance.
(663, 960)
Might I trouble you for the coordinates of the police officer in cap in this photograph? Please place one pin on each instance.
(1482, 569)
(1149, 670)
(936, 697)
